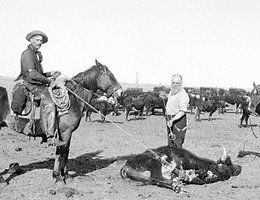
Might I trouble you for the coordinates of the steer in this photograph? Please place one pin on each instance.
(4, 106)
(154, 101)
(206, 105)
(103, 106)
(166, 166)
(131, 105)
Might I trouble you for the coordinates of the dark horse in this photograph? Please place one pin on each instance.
(84, 85)
(255, 99)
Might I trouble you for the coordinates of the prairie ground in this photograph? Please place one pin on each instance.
(98, 151)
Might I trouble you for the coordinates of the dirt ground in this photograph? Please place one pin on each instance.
(98, 151)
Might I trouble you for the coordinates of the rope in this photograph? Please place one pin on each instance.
(60, 97)
(244, 138)
(165, 163)
(145, 147)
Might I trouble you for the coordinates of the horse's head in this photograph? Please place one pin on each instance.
(106, 81)
(255, 99)
(99, 77)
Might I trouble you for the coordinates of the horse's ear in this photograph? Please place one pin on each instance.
(254, 84)
(97, 63)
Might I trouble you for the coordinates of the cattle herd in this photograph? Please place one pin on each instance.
(207, 100)
(153, 166)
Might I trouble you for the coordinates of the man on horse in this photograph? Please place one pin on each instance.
(35, 80)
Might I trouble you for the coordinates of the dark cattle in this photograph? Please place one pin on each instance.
(208, 91)
(103, 106)
(161, 88)
(134, 92)
(235, 100)
(153, 101)
(195, 102)
(209, 105)
(132, 104)
(220, 101)
(235, 97)
(166, 165)
(4, 106)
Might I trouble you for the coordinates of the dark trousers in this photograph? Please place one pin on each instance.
(48, 108)
(176, 134)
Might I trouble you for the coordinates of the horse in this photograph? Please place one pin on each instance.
(255, 99)
(81, 88)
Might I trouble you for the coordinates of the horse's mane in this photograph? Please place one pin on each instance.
(87, 79)
(79, 90)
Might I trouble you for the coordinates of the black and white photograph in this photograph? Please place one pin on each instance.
(129, 99)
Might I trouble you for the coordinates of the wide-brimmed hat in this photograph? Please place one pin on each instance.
(33, 33)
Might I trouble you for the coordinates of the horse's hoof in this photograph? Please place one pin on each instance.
(60, 183)
(68, 179)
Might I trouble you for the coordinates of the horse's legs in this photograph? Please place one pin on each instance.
(56, 174)
(60, 171)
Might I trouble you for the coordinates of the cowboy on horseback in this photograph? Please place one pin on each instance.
(35, 80)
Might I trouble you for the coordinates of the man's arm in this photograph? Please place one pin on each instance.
(184, 101)
(176, 117)
(28, 64)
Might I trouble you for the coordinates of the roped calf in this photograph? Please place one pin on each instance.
(167, 166)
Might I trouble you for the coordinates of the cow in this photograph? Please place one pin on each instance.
(154, 101)
(132, 104)
(206, 104)
(195, 102)
(4, 106)
(167, 166)
(103, 106)
(235, 97)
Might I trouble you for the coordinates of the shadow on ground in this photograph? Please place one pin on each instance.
(81, 165)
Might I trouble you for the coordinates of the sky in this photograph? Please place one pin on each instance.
(211, 43)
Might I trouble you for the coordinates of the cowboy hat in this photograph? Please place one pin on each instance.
(33, 33)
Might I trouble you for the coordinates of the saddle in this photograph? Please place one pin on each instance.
(23, 104)
(23, 100)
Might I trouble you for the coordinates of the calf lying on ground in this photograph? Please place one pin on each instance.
(167, 166)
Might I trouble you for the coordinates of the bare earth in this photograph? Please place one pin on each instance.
(98, 151)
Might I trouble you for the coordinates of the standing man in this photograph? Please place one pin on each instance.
(176, 109)
(36, 81)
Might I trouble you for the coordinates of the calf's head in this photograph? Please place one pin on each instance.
(225, 168)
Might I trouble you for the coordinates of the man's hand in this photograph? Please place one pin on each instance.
(163, 95)
(169, 123)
